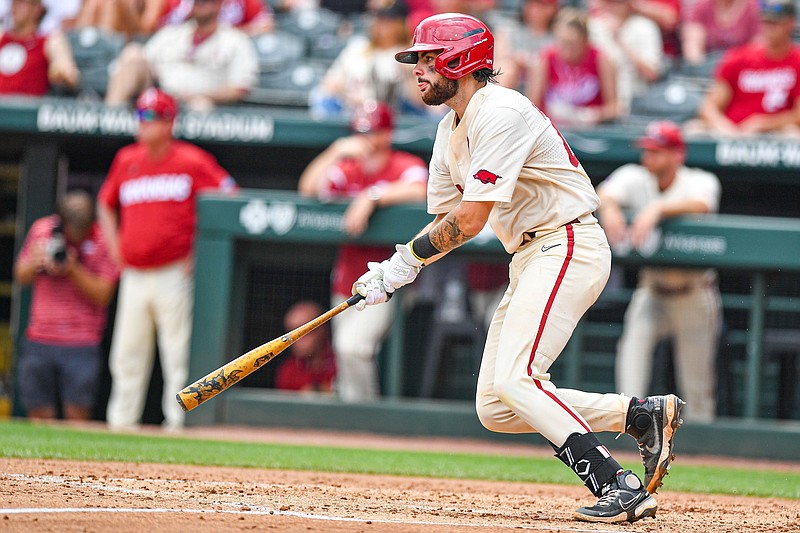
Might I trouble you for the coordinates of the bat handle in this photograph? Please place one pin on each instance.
(354, 299)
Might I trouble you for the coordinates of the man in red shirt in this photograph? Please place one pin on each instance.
(757, 85)
(147, 212)
(365, 169)
(29, 60)
(251, 16)
(311, 365)
(66, 261)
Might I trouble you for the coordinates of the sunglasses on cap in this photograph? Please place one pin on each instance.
(775, 10)
(148, 115)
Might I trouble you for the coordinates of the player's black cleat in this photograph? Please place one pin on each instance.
(652, 421)
(624, 499)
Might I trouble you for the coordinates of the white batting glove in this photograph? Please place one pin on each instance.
(401, 269)
(370, 286)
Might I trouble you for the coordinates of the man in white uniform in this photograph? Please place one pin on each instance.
(497, 158)
(682, 303)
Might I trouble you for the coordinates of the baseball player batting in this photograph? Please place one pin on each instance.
(498, 158)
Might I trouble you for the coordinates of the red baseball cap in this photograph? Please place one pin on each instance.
(662, 134)
(371, 116)
(157, 102)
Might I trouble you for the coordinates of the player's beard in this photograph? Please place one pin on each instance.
(440, 92)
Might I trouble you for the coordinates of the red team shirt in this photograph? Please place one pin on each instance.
(759, 84)
(578, 85)
(159, 196)
(347, 180)
(60, 314)
(23, 65)
(295, 373)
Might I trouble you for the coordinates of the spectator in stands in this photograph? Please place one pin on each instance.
(200, 62)
(665, 13)
(65, 260)
(713, 26)
(147, 212)
(683, 304)
(253, 17)
(517, 44)
(572, 81)
(113, 16)
(364, 169)
(667, 16)
(756, 86)
(346, 8)
(365, 69)
(141, 18)
(476, 8)
(59, 15)
(30, 61)
(311, 364)
(632, 42)
(131, 18)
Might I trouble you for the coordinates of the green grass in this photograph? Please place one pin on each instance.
(25, 440)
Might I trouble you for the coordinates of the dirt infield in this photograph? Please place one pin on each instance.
(98, 497)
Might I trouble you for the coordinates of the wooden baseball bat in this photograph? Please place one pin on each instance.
(230, 373)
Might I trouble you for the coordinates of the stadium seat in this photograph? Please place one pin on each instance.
(94, 52)
(290, 87)
(673, 99)
(310, 23)
(703, 73)
(326, 46)
(278, 49)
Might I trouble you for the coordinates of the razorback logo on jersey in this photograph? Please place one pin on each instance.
(484, 176)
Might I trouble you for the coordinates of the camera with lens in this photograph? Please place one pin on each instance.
(57, 246)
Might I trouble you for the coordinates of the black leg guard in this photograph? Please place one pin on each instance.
(584, 454)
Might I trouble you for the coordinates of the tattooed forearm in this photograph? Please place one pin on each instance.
(447, 235)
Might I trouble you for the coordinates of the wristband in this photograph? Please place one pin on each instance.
(375, 193)
(423, 248)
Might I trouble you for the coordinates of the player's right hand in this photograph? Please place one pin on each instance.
(370, 286)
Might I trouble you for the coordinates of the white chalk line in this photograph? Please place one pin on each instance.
(243, 508)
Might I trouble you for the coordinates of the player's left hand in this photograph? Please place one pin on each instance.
(401, 269)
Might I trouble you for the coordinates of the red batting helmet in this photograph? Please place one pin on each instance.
(158, 103)
(372, 116)
(462, 39)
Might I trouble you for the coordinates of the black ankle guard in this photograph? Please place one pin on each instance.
(637, 420)
(584, 454)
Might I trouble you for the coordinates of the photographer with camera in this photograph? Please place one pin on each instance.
(65, 260)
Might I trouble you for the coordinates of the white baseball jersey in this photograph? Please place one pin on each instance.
(227, 58)
(634, 188)
(535, 179)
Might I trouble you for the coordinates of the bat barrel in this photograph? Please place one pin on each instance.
(180, 396)
(227, 375)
